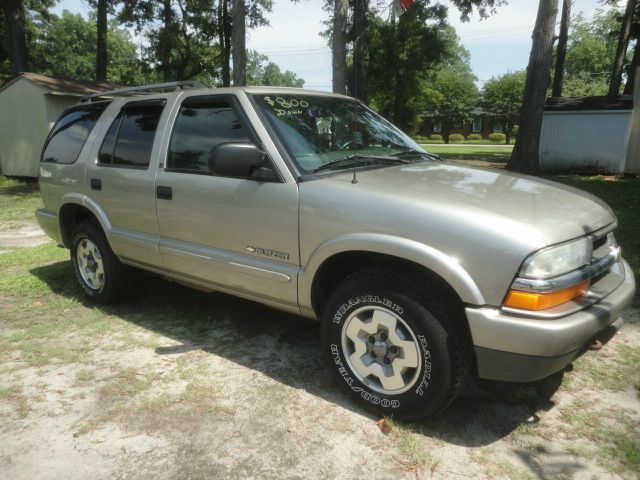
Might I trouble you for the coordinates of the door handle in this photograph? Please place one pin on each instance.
(96, 184)
(164, 193)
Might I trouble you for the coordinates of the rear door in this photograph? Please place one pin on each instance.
(121, 179)
(238, 234)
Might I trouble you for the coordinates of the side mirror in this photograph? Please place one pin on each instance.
(240, 160)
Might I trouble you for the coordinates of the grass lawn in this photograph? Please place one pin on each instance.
(18, 200)
(472, 152)
(623, 196)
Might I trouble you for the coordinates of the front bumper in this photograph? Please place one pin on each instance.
(520, 349)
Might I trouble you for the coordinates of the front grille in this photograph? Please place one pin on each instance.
(602, 246)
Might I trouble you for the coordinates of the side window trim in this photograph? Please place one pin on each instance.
(115, 140)
(242, 118)
(121, 114)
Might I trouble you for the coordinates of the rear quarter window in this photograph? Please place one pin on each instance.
(70, 133)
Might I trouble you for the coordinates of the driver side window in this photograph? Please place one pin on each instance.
(201, 125)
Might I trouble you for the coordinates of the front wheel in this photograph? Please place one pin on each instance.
(393, 345)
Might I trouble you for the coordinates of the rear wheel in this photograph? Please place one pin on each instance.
(394, 345)
(100, 274)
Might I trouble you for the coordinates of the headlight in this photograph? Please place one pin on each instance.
(557, 260)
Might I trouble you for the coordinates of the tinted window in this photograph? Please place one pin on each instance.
(70, 133)
(201, 125)
(130, 138)
(109, 143)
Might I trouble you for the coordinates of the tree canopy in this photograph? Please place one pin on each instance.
(502, 96)
(65, 47)
(261, 71)
(452, 95)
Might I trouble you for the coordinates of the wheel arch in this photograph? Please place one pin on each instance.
(337, 258)
(76, 209)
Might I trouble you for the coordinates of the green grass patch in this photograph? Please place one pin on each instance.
(15, 396)
(18, 199)
(623, 196)
(619, 372)
(614, 446)
(471, 152)
(30, 273)
(128, 383)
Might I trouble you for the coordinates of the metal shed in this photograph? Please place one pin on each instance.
(29, 106)
(586, 134)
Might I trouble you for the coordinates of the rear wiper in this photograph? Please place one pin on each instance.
(359, 156)
(412, 151)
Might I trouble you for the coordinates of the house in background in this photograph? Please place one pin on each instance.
(591, 135)
(482, 122)
(29, 106)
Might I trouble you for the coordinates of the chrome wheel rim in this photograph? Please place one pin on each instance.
(381, 350)
(90, 264)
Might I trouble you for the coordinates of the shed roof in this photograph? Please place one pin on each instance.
(565, 104)
(63, 86)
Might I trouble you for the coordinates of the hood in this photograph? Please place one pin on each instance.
(556, 212)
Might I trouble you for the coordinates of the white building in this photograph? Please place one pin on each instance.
(591, 135)
(29, 106)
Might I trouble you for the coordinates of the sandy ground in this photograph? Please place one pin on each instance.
(21, 234)
(248, 395)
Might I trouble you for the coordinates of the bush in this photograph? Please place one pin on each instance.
(498, 137)
(437, 138)
(456, 137)
(474, 136)
(421, 139)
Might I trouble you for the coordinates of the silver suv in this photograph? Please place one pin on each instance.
(420, 271)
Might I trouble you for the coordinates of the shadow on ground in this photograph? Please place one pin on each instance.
(287, 348)
(22, 190)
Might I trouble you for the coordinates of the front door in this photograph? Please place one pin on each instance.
(237, 234)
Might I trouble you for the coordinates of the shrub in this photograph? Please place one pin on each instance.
(435, 137)
(474, 136)
(456, 137)
(420, 139)
(497, 137)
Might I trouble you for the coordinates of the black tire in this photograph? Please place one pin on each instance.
(424, 324)
(110, 285)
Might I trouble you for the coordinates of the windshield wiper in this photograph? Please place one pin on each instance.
(412, 151)
(359, 156)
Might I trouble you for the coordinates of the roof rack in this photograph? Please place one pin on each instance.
(141, 89)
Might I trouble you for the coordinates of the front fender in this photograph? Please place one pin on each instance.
(436, 261)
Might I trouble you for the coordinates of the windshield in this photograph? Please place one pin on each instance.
(320, 130)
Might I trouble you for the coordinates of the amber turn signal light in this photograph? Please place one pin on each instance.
(543, 301)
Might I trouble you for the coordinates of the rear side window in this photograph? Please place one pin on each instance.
(129, 141)
(70, 133)
(202, 123)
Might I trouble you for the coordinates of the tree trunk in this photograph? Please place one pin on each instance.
(339, 46)
(101, 46)
(165, 39)
(239, 39)
(635, 63)
(224, 36)
(561, 55)
(524, 157)
(621, 51)
(359, 49)
(14, 18)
